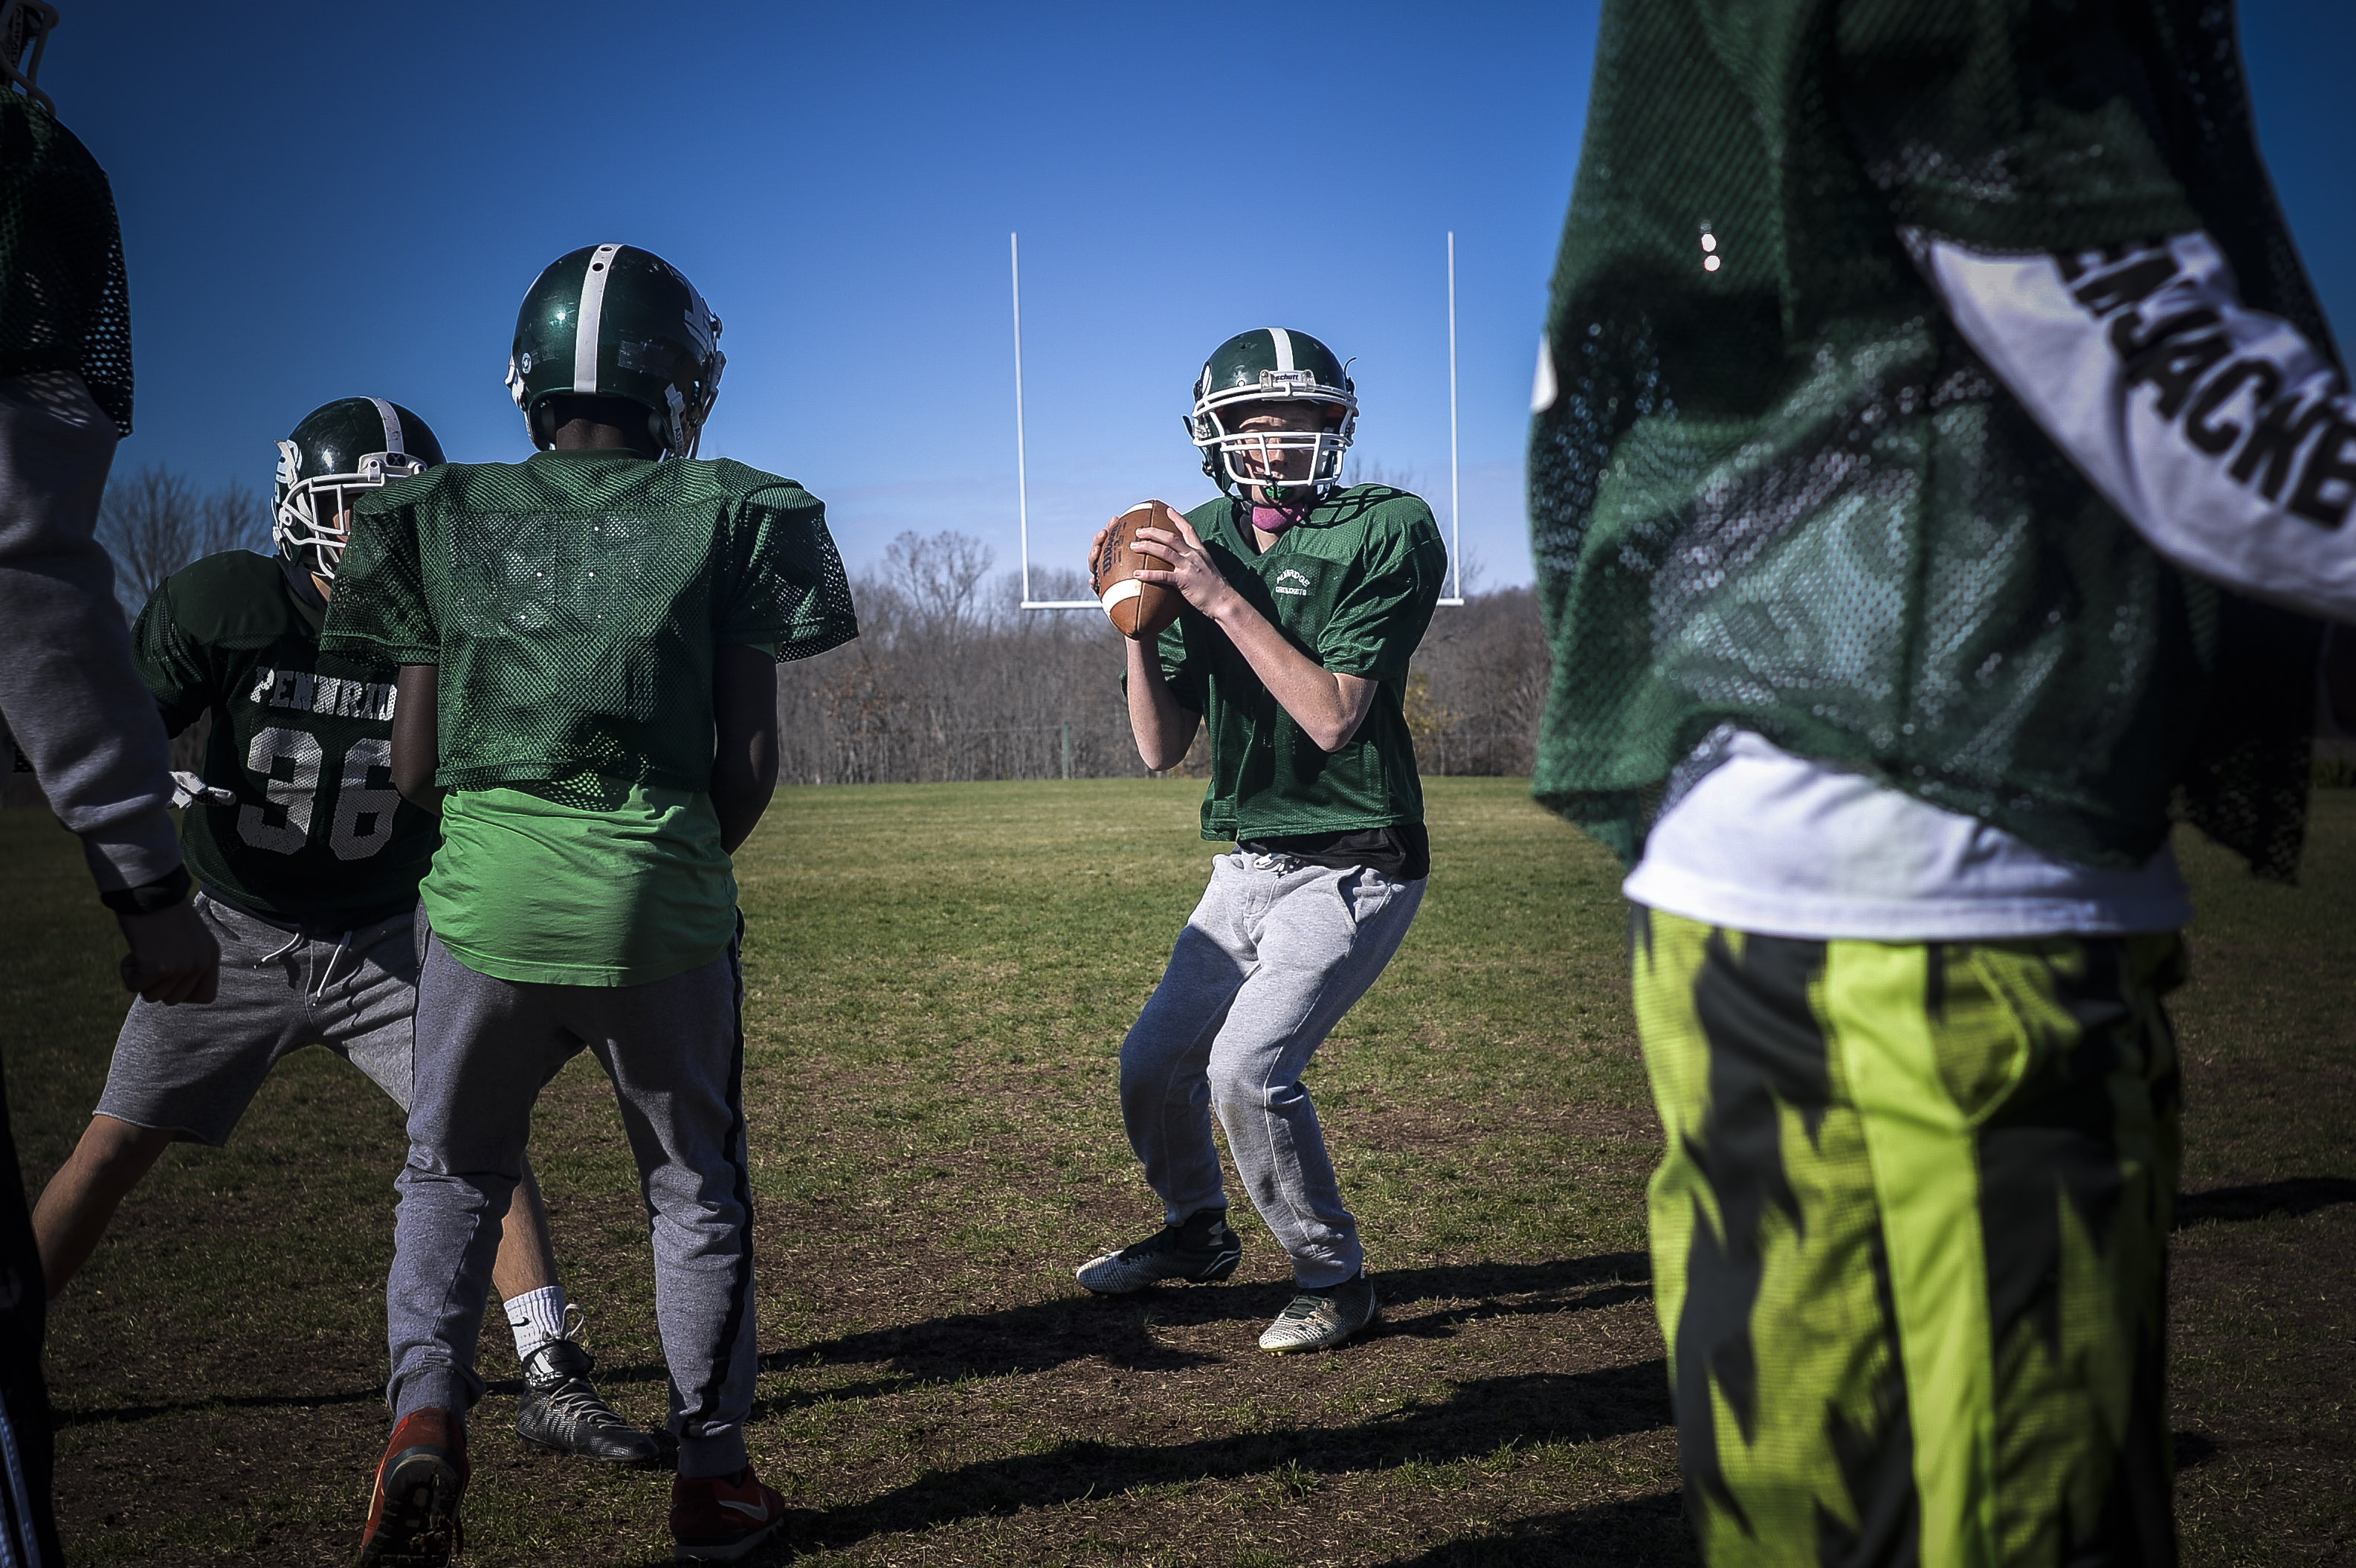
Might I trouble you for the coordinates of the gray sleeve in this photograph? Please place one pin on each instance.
(68, 694)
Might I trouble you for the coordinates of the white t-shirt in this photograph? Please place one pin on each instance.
(1774, 844)
(2244, 473)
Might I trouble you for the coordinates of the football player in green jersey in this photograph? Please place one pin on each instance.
(587, 645)
(307, 863)
(1305, 601)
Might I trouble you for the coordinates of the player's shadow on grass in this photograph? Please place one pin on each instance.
(1630, 1530)
(1478, 1419)
(105, 1415)
(1421, 1304)
(2264, 1200)
(1127, 1331)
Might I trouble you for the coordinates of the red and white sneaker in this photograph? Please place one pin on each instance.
(413, 1512)
(722, 1519)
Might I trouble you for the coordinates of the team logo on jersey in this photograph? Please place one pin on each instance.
(331, 696)
(1300, 578)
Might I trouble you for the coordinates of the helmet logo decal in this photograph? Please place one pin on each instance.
(590, 324)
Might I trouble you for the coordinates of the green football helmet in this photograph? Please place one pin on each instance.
(1271, 364)
(649, 338)
(352, 444)
(25, 27)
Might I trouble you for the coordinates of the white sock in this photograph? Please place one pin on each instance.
(537, 1317)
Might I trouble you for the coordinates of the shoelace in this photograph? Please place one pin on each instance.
(575, 1395)
(568, 1331)
(575, 1399)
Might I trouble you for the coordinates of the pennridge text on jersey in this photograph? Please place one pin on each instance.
(330, 694)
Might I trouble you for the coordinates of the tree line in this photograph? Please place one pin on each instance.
(950, 680)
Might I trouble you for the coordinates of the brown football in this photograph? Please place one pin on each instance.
(1139, 609)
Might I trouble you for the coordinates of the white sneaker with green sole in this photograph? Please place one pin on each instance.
(1320, 1319)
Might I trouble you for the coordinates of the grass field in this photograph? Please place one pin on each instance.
(939, 980)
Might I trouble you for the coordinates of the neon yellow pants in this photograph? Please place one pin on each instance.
(1909, 1243)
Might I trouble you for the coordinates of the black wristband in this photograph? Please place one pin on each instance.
(161, 894)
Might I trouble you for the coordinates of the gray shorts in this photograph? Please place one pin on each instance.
(192, 1069)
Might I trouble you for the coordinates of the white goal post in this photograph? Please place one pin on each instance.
(1022, 473)
(1021, 477)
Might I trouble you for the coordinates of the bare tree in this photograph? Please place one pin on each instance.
(1360, 469)
(945, 580)
(153, 521)
(1479, 683)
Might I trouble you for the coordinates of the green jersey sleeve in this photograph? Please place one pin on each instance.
(175, 667)
(1380, 616)
(782, 582)
(382, 612)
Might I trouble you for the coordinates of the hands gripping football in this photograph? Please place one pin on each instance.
(1149, 564)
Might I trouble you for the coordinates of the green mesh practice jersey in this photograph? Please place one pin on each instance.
(64, 304)
(1772, 489)
(574, 603)
(1352, 585)
(303, 737)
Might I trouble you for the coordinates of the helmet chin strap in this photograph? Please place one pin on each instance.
(1275, 519)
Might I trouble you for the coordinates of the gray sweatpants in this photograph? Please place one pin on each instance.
(675, 1051)
(194, 1070)
(1269, 962)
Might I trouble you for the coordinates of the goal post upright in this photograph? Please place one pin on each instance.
(1022, 470)
(1455, 507)
(1021, 478)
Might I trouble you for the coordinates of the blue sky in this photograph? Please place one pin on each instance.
(325, 200)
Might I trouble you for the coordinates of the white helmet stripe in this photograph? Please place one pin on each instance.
(1283, 347)
(392, 427)
(587, 325)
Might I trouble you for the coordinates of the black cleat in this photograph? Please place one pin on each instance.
(1202, 1250)
(562, 1412)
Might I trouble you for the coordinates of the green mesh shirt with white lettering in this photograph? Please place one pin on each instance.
(1772, 489)
(576, 604)
(65, 305)
(1352, 585)
(305, 739)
